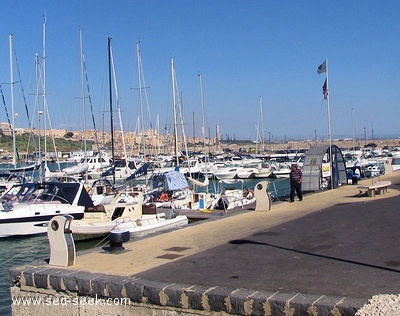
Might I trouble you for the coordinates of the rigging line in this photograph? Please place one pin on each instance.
(141, 74)
(90, 102)
(25, 102)
(7, 115)
(22, 90)
(5, 106)
(47, 114)
(119, 108)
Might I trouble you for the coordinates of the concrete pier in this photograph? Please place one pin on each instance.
(326, 255)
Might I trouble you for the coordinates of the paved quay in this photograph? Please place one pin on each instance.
(325, 255)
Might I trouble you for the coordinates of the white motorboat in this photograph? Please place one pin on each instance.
(97, 164)
(374, 170)
(247, 173)
(27, 208)
(125, 212)
(227, 172)
(232, 194)
(264, 170)
(102, 191)
(190, 167)
(395, 163)
(282, 171)
(76, 169)
(7, 180)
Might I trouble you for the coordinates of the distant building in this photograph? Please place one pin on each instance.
(5, 128)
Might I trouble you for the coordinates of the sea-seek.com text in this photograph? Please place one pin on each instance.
(64, 301)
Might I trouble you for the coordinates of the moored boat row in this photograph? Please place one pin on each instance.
(100, 205)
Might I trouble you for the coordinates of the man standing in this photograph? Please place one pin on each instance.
(295, 182)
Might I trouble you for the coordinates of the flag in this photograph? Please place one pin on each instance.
(325, 89)
(322, 68)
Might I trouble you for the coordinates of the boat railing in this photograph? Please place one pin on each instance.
(275, 192)
(48, 197)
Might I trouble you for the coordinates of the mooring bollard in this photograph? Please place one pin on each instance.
(62, 246)
(263, 198)
(116, 239)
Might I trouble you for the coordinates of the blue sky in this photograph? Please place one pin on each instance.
(243, 50)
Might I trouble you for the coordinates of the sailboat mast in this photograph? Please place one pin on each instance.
(39, 112)
(111, 107)
(83, 98)
(203, 131)
(174, 111)
(141, 122)
(262, 125)
(44, 93)
(83, 94)
(119, 111)
(12, 101)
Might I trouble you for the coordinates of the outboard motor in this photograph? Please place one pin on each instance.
(263, 197)
(62, 246)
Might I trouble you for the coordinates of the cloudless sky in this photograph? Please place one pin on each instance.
(243, 49)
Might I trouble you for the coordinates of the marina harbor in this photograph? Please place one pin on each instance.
(183, 158)
(161, 262)
(266, 262)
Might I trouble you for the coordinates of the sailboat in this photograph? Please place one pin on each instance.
(15, 169)
(170, 189)
(126, 211)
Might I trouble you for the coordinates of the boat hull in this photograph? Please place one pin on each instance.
(147, 224)
(31, 225)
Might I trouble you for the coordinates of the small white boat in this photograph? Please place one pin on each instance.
(374, 170)
(101, 191)
(264, 170)
(396, 162)
(227, 172)
(282, 171)
(232, 195)
(76, 169)
(125, 212)
(151, 223)
(247, 173)
(83, 230)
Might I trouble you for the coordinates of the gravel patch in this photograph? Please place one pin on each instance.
(381, 305)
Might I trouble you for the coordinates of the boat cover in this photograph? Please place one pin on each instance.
(172, 181)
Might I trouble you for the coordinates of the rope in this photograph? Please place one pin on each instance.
(22, 252)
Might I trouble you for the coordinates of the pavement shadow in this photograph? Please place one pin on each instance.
(253, 242)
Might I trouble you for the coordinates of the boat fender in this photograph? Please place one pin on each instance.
(164, 197)
(222, 203)
(248, 194)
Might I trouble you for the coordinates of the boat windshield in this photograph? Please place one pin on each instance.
(39, 193)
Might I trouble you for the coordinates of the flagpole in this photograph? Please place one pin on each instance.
(329, 124)
(323, 68)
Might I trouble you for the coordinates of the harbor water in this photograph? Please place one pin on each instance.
(17, 251)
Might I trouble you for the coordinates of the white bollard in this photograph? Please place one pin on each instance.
(62, 246)
(263, 198)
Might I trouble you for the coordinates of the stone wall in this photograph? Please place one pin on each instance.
(70, 292)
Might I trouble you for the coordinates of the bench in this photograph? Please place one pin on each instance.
(375, 188)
